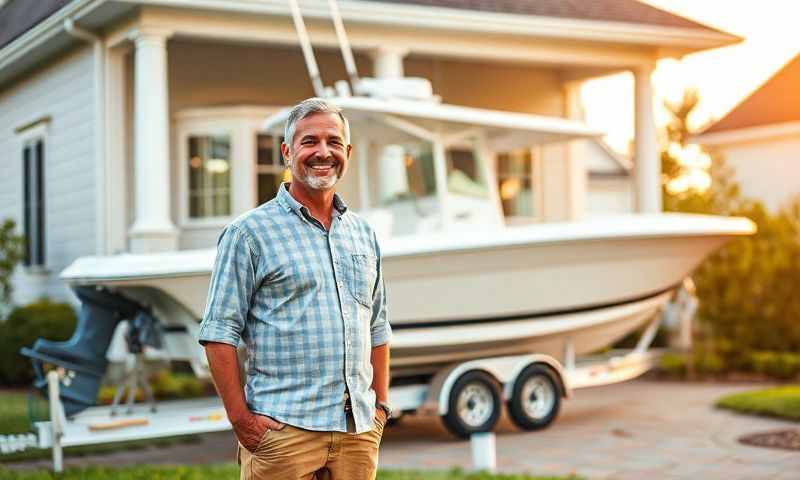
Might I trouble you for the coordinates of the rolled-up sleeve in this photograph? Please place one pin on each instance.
(380, 329)
(231, 288)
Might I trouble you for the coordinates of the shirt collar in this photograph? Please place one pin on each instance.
(290, 204)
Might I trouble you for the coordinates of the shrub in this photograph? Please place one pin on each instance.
(10, 254)
(673, 365)
(54, 321)
(166, 385)
(746, 290)
(780, 365)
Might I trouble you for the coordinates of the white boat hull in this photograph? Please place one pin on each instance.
(481, 294)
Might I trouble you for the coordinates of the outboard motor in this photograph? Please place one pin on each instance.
(83, 356)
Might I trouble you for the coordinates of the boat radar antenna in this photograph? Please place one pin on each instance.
(308, 51)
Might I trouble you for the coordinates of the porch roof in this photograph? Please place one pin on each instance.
(32, 32)
(627, 11)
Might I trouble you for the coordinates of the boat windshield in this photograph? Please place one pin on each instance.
(408, 186)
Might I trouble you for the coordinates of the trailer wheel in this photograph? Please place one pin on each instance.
(473, 405)
(536, 398)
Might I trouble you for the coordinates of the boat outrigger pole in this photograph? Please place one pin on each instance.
(344, 45)
(308, 52)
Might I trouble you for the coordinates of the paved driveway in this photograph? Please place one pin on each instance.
(636, 430)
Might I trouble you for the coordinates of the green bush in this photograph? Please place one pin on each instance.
(50, 320)
(709, 363)
(673, 365)
(166, 385)
(780, 365)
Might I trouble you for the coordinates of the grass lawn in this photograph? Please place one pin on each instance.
(14, 419)
(221, 472)
(781, 402)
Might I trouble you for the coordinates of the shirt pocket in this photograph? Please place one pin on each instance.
(362, 277)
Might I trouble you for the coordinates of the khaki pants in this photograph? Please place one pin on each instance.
(296, 454)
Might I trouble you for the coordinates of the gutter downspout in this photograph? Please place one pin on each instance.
(99, 131)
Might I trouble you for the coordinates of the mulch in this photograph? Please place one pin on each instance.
(783, 439)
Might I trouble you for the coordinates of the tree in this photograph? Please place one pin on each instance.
(746, 290)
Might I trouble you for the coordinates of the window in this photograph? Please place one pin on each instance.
(515, 183)
(209, 165)
(33, 201)
(269, 167)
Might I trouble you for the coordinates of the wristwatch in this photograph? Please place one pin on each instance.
(386, 408)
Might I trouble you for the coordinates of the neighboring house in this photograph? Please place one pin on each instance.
(760, 139)
(610, 187)
(132, 125)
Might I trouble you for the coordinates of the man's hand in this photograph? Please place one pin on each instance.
(380, 416)
(251, 429)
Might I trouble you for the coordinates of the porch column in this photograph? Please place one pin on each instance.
(577, 176)
(152, 228)
(388, 63)
(647, 166)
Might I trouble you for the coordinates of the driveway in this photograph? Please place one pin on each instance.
(636, 430)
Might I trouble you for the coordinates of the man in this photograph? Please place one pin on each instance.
(299, 280)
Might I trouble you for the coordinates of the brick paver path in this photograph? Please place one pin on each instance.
(636, 430)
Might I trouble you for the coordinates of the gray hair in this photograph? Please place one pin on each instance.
(307, 108)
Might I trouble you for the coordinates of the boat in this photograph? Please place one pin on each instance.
(454, 296)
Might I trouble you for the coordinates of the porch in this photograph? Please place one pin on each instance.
(187, 91)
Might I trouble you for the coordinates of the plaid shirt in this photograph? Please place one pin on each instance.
(309, 304)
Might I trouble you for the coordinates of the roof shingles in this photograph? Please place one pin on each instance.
(625, 11)
(18, 16)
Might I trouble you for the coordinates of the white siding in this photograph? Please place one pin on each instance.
(767, 170)
(609, 196)
(63, 91)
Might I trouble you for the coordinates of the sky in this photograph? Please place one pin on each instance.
(723, 76)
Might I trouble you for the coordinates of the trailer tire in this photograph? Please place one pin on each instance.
(473, 405)
(536, 398)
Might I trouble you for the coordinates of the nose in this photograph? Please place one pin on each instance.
(324, 151)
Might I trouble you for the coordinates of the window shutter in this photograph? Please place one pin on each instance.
(26, 202)
(40, 236)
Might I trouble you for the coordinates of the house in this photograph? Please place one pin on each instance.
(133, 125)
(760, 139)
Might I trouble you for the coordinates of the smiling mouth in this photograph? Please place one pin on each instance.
(321, 167)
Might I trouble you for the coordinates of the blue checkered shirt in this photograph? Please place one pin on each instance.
(309, 304)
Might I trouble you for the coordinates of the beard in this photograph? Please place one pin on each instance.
(321, 183)
(317, 182)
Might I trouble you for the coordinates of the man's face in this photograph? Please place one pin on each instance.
(318, 155)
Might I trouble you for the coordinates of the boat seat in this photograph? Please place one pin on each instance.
(83, 356)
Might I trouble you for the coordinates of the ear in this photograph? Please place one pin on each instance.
(349, 150)
(285, 152)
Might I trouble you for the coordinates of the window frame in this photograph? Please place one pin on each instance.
(276, 168)
(241, 124)
(537, 195)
